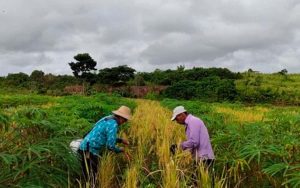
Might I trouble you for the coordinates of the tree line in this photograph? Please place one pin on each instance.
(210, 84)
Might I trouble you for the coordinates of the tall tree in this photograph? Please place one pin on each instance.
(83, 67)
(85, 63)
(283, 72)
(114, 75)
(18, 79)
(37, 76)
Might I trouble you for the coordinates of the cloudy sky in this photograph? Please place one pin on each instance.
(238, 34)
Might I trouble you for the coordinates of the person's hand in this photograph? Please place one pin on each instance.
(122, 149)
(125, 142)
(127, 155)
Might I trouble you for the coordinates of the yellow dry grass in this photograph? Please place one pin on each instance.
(151, 134)
(248, 114)
(106, 170)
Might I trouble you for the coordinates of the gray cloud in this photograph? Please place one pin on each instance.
(262, 35)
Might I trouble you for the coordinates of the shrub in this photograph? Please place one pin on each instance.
(209, 89)
(182, 90)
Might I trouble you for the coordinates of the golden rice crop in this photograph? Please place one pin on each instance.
(151, 134)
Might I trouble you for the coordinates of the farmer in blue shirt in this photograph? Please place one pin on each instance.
(103, 136)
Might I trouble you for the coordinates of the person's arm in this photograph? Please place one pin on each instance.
(123, 141)
(193, 137)
(112, 138)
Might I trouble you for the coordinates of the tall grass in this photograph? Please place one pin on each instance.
(152, 133)
(131, 176)
(106, 175)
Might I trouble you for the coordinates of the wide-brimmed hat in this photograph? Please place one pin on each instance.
(124, 112)
(178, 110)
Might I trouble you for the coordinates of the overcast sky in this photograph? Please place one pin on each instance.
(237, 34)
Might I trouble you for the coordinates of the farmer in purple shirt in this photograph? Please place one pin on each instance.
(198, 142)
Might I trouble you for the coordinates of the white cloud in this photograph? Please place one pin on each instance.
(262, 35)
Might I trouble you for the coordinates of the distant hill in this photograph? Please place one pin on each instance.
(276, 88)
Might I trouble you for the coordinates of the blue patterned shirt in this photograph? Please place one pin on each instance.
(103, 135)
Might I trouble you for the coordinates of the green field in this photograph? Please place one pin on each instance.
(35, 134)
(255, 146)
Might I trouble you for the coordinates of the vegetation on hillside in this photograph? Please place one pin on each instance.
(207, 84)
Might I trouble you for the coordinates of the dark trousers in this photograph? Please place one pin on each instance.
(208, 163)
(89, 165)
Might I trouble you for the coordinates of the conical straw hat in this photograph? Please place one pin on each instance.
(124, 112)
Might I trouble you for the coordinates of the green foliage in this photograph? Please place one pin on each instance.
(226, 90)
(37, 83)
(18, 79)
(8, 101)
(259, 95)
(269, 88)
(209, 84)
(115, 75)
(35, 132)
(138, 80)
(152, 96)
(46, 164)
(83, 67)
(183, 90)
(37, 76)
(283, 72)
(210, 89)
(169, 77)
(4, 121)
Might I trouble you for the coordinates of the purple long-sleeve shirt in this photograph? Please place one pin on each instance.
(198, 141)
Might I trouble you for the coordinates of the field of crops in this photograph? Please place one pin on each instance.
(35, 132)
(255, 146)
